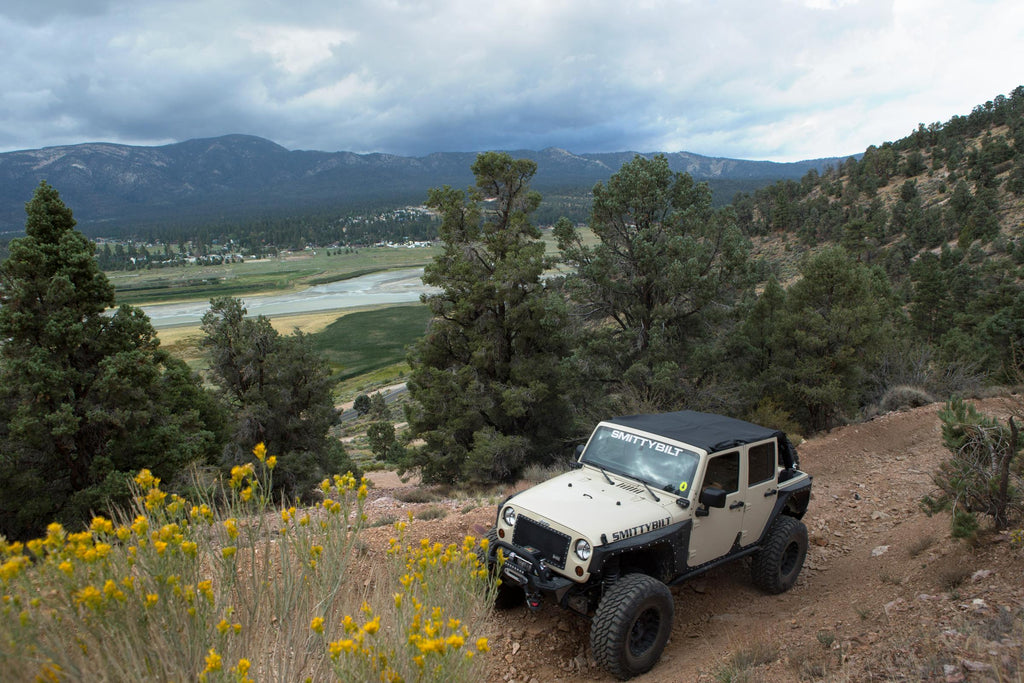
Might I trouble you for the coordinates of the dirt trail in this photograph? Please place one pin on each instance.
(885, 594)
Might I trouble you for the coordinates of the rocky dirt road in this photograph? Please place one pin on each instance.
(886, 593)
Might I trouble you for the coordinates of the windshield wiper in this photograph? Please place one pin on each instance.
(650, 491)
(601, 470)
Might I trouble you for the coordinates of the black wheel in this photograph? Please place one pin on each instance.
(778, 563)
(508, 596)
(486, 557)
(632, 625)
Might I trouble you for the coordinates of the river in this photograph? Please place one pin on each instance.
(390, 287)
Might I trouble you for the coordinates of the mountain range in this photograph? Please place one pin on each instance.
(112, 188)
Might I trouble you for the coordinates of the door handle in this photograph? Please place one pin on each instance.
(737, 504)
(770, 492)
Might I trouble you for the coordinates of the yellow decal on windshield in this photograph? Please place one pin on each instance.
(682, 487)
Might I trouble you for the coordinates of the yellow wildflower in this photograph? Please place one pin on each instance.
(13, 567)
(140, 526)
(240, 472)
(260, 451)
(213, 661)
(317, 625)
(101, 525)
(146, 480)
(89, 596)
(54, 536)
(176, 505)
(155, 499)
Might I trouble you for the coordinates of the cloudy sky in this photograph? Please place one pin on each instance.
(752, 79)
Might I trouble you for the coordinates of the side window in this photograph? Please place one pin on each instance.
(723, 472)
(760, 463)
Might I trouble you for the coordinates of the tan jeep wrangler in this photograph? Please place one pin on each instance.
(652, 501)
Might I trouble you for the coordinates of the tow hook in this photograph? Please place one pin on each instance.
(533, 601)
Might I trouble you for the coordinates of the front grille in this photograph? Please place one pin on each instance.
(553, 545)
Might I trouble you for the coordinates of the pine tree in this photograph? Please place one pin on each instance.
(655, 286)
(487, 379)
(87, 399)
(836, 320)
(278, 391)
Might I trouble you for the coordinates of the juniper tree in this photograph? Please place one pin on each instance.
(487, 387)
(655, 286)
(278, 391)
(87, 398)
(835, 322)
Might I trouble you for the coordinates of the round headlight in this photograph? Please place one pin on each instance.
(509, 515)
(583, 549)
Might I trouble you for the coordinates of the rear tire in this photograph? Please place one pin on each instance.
(776, 566)
(631, 626)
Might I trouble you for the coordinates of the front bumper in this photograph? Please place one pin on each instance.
(521, 567)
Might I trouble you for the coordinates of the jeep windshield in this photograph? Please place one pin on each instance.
(655, 462)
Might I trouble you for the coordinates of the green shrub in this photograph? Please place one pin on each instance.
(978, 478)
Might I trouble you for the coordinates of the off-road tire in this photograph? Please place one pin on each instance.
(508, 596)
(631, 626)
(775, 567)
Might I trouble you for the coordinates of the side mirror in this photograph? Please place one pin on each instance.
(713, 497)
(576, 464)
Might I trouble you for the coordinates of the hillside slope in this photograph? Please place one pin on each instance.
(886, 594)
(240, 177)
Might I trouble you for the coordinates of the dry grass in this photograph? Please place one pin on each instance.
(179, 591)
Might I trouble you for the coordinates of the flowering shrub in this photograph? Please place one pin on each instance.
(440, 595)
(184, 590)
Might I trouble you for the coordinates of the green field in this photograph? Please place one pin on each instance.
(361, 343)
(304, 269)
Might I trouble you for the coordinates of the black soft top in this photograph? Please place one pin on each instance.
(711, 432)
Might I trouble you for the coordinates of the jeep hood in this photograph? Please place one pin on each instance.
(582, 501)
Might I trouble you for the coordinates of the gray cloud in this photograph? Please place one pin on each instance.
(781, 80)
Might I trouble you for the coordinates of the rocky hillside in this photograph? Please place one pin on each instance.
(886, 593)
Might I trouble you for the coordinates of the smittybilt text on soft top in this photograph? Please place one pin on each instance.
(652, 501)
